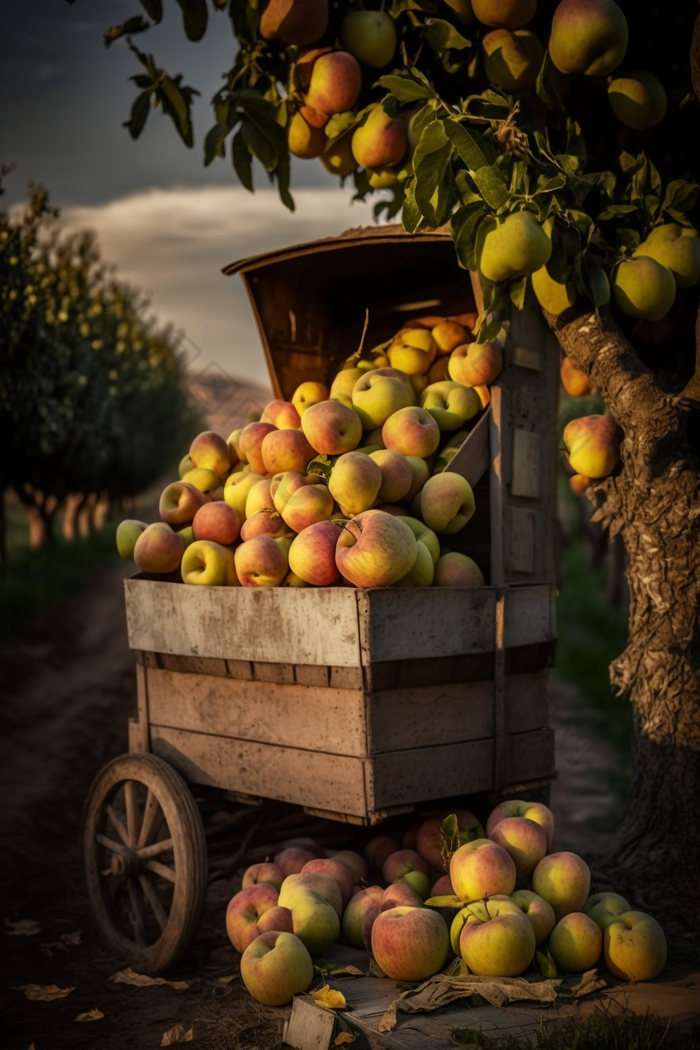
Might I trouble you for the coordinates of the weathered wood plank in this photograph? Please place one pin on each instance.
(304, 778)
(310, 626)
(139, 736)
(317, 719)
(278, 673)
(193, 664)
(473, 458)
(308, 674)
(530, 615)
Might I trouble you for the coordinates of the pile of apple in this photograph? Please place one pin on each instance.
(340, 486)
(506, 894)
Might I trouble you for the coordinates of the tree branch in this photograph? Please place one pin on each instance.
(595, 344)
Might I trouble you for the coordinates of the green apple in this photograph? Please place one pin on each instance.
(128, 531)
(370, 36)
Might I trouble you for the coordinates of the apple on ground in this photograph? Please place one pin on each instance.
(337, 870)
(216, 521)
(266, 872)
(375, 549)
(128, 532)
(410, 944)
(355, 912)
(378, 848)
(540, 914)
(576, 942)
(245, 909)
(209, 564)
(210, 451)
(604, 908)
(318, 881)
(525, 840)
(355, 861)
(275, 967)
(496, 939)
(634, 947)
(482, 868)
(429, 837)
(158, 549)
(563, 880)
(315, 921)
(409, 865)
(536, 811)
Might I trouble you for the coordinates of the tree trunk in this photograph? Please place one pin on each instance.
(74, 502)
(654, 502)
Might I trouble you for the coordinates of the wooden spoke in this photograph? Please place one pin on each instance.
(109, 844)
(152, 898)
(132, 811)
(161, 869)
(138, 918)
(123, 834)
(152, 819)
(155, 849)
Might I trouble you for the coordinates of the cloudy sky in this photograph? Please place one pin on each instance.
(167, 222)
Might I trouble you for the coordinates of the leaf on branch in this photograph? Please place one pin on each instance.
(137, 24)
(153, 8)
(406, 88)
(517, 291)
(283, 178)
(471, 146)
(140, 109)
(443, 36)
(194, 18)
(242, 161)
(177, 103)
(449, 839)
(339, 124)
(679, 198)
(465, 224)
(544, 87)
(431, 162)
(491, 185)
(215, 143)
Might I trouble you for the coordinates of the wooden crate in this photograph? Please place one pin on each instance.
(353, 704)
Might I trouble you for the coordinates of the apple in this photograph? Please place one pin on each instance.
(540, 914)
(337, 870)
(370, 36)
(375, 549)
(423, 535)
(128, 532)
(331, 428)
(209, 564)
(575, 382)
(447, 334)
(298, 22)
(380, 140)
(318, 881)
(421, 472)
(158, 549)
(457, 570)
(512, 60)
(275, 967)
(412, 351)
(355, 861)
(244, 910)
(312, 554)
(216, 521)
(184, 465)
(525, 840)
(356, 911)
(634, 947)
(267, 872)
(250, 444)
(593, 445)
(536, 811)
(307, 394)
(429, 837)
(300, 500)
(315, 921)
(233, 445)
(344, 382)
(638, 99)
(397, 475)
(210, 451)
(411, 431)
(496, 940)
(409, 865)
(513, 246)
(186, 535)
(450, 403)
(236, 491)
(588, 36)
(475, 364)
(506, 14)
(576, 942)
(482, 868)
(303, 139)
(205, 480)
(260, 562)
(442, 888)
(643, 288)
(282, 414)
(676, 247)
(446, 503)
(378, 393)
(422, 573)
(259, 498)
(410, 944)
(264, 523)
(378, 849)
(179, 502)
(605, 908)
(286, 450)
(355, 482)
(335, 83)
(563, 880)
(555, 297)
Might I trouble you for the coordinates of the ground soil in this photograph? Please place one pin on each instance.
(68, 687)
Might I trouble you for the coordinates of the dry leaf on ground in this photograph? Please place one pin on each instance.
(44, 992)
(26, 927)
(224, 982)
(90, 1015)
(72, 939)
(177, 1034)
(141, 980)
(344, 1039)
(329, 997)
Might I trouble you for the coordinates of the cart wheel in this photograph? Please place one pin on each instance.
(145, 861)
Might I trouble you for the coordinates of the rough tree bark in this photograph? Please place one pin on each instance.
(654, 502)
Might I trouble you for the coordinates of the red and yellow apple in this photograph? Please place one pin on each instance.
(312, 554)
(482, 868)
(275, 967)
(158, 549)
(563, 880)
(410, 944)
(375, 549)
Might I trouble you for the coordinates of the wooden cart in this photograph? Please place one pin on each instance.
(355, 705)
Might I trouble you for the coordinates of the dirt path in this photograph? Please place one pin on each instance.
(69, 689)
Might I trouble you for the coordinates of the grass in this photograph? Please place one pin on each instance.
(603, 1032)
(36, 582)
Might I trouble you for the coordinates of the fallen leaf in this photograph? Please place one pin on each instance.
(224, 982)
(72, 938)
(26, 927)
(545, 963)
(141, 980)
(177, 1034)
(344, 1039)
(44, 992)
(329, 997)
(90, 1015)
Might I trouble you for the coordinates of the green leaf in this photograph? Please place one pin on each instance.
(544, 87)
(153, 8)
(261, 132)
(517, 291)
(491, 185)
(214, 143)
(465, 224)
(139, 114)
(406, 88)
(176, 104)
(194, 18)
(242, 160)
(615, 210)
(411, 215)
(545, 964)
(680, 197)
(443, 36)
(283, 176)
(597, 284)
(137, 24)
(339, 124)
(471, 146)
(260, 144)
(449, 839)
(430, 164)
(399, 7)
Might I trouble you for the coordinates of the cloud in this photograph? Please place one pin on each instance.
(175, 242)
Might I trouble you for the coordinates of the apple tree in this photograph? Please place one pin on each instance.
(559, 142)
